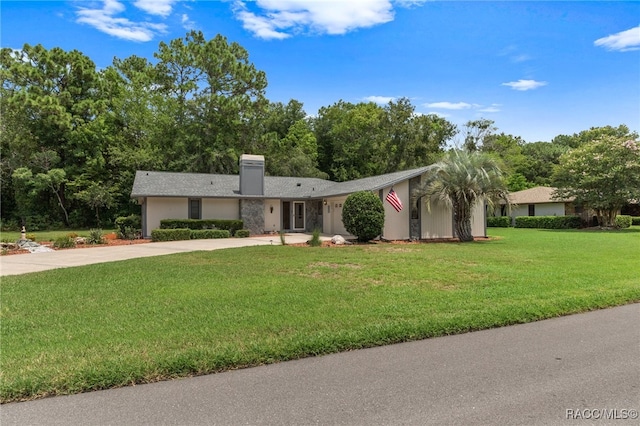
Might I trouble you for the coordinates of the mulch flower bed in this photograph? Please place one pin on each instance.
(108, 242)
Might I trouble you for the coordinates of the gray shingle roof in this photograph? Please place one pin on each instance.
(373, 183)
(204, 185)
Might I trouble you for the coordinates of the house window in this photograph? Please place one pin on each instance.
(532, 209)
(195, 208)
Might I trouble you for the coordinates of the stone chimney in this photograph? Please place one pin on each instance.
(251, 174)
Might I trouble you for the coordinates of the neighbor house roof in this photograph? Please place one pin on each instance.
(535, 195)
(204, 185)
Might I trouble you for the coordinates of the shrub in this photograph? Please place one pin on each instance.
(315, 238)
(73, 235)
(31, 236)
(204, 234)
(242, 233)
(231, 225)
(129, 227)
(548, 222)
(499, 221)
(363, 215)
(635, 220)
(95, 237)
(65, 241)
(170, 234)
(623, 221)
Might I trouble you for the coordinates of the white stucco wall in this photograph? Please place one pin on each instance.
(332, 216)
(396, 224)
(478, 220)
(437, 221)
(220, 208)
(272, 220)
(165, 208)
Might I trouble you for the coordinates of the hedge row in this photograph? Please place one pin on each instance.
(170, 234)
(181, 234)
(548, 222)
(635, 220)
(207, 234)
(230, 225)
(499, 221)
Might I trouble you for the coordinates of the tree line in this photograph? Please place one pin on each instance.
(72, 135)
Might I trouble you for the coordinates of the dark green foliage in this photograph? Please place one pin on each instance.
(170, 234)
(242, 233)
(203, 234)
(549, 222)
(65, 241)
(499, 221)
(230, 225)
(129, 226)
(95, 237)
(635, 220)
(363, 215)
(623, 221)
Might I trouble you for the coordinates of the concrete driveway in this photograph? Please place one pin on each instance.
(577, 370)
(35, 262)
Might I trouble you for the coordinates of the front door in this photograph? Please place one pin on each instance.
(286, 215)
(298, 215)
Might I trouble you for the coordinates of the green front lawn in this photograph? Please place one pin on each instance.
(114, 324)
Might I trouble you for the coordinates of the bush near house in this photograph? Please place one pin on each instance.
(499, 221)
(129, 227)
(548, 222)
(623, 221)
(363, 215)
(170, 234)
(242, 233)
(635, 220)
(230, 225)
(205, 234)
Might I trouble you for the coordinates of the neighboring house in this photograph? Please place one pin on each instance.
(538, 201)
(272, 204)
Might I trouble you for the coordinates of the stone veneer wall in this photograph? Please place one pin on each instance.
(313, 215)
(252, 214)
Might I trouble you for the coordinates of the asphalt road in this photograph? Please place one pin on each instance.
(580, 369)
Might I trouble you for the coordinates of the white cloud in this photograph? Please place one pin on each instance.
(279, 19)
(105, 20)
(187, 23)
(449, 105)
(492, 108)
(623, 41)
(382, 100)
(155, 7)
(523, 85)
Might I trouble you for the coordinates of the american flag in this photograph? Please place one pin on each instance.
(394, 200)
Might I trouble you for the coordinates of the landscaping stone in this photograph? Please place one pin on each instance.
(338, 240)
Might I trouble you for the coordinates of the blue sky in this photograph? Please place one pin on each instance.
(538, 69)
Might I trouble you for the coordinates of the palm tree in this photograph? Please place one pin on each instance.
(460, 180)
